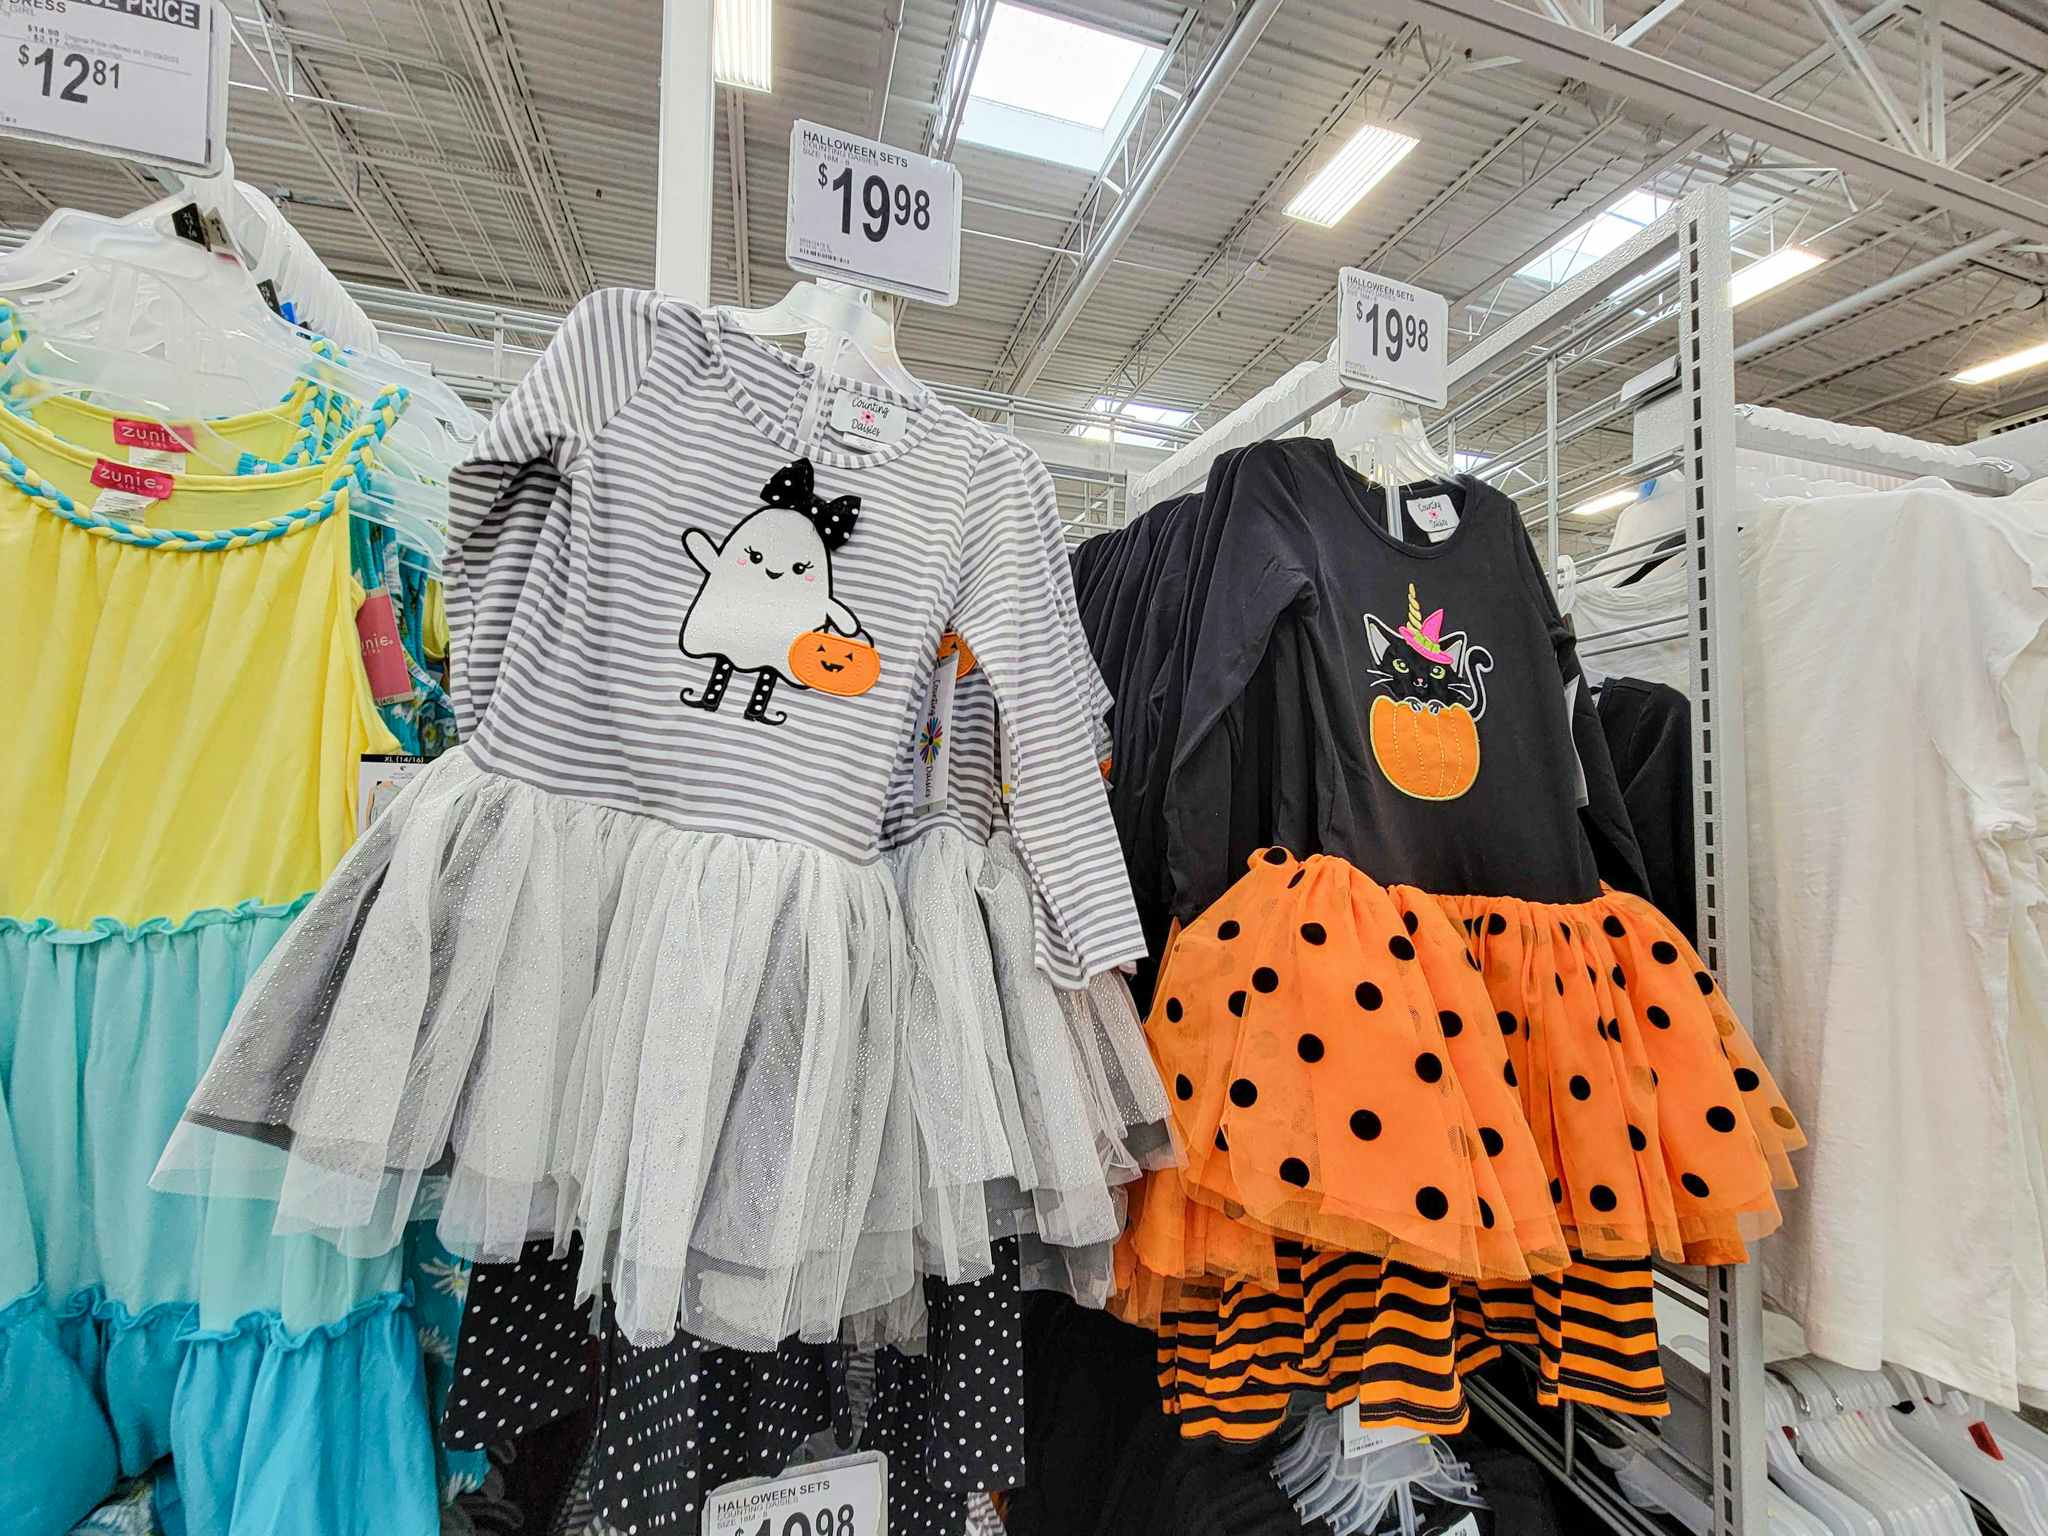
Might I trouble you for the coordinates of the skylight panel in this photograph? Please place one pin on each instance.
(1130, 419)
(1596, 237)
(1053, 89)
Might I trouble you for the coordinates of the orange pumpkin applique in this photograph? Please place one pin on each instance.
(835, 664)
(1424, 721)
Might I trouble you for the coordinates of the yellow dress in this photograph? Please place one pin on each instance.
(187, 708)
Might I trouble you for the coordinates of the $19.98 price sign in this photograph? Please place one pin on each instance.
(143, 79)
(1390, 337)
(846, 1497)
(867, 213)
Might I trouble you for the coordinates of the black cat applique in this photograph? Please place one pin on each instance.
(1430, 691)
(766, 605)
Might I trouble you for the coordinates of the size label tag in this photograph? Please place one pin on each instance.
(1468, 1526)
(1435, 516)
(846, 1497)
(1362, 1440)
(1390, 337)
(383, 652)
(143, 79)
(867, 417)
(868, 213)
(150, 458)
(121, 506)
(931, 746)
(154, 436)
(379, 778)
(132, 479)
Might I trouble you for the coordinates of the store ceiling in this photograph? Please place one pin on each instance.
(505, 151)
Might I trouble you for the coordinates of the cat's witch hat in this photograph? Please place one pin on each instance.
(1425, 635)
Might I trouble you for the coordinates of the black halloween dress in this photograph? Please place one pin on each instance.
(1438, 1083)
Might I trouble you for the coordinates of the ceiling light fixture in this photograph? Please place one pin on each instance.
(743, 44)
(1613, 501)
(2000, 367)
(1356, 169)
(1767, 272)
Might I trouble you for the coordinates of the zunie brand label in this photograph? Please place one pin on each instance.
(383, 652)
(156, 436)
(132, 480)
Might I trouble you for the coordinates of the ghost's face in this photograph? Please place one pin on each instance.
(779, 551)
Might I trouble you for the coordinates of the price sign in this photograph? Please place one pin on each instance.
(143, 79)
(1391, 337)
(847, 1497)
(870, 214)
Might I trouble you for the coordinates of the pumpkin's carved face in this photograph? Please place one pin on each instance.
(834, 664)
(1430, 754)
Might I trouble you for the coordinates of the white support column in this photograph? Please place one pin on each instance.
(682, 210)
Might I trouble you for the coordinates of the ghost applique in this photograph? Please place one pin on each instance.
(766, 605)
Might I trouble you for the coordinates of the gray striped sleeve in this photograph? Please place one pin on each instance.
(511, 497)
(1015, 597)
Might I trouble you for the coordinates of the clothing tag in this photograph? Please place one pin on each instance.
(1361, 1441)
(155, 436)
(931, 747)
(379, 778)
(269, 291)
(847, 1496)
(1006, 764)
(121, 506)
(186, 224)
(152, 458)
(133, 479)
(383, 653)
(867, 417)
(1435, 516)
(1469, 1526)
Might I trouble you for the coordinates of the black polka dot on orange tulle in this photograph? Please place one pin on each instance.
(1581, 1089)
(1236, 1004)
(1492, 1140)
(1658, 1016)
(1601, 1198)
(1557, 980)
(1507, 1071)
(1430, 1201)
(1747, 1080)
(1309, 1047)
(1365, 1125)
(1694, 1185)
(1400, 948)
(1704, 982)
(1244, 1093)
(1265, 979)
(1173, 1010)
(1222, 1145)
(1556, 1193)
(1294, 1171)
(1507, 1022)
(1619, 977)
(1783, 1116)
(1276, 855)
(1721, 1118)
(1592, 977)
(1471, 959)
(1450, 1024)
(1614, 1030)
(1496, 924)
(1368, 996)
(1564, 931)
(1637, 1139)
(1410, 921)
(1611, 926)
(1664, 952)
(1227, 929)
(1486, 1215)
(1312, 933)
(1655, 1081)
(1429, 1067)
(1295, 879)
(1183, 1088)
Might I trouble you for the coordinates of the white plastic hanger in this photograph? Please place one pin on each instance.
(1857, 1449)
(1383, 439)
(2010, 1486)
(836, 319)
(1837, 1512)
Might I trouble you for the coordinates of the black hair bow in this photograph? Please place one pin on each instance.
(790, 486)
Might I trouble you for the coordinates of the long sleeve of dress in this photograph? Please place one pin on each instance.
(1014, 609)
(511, 494)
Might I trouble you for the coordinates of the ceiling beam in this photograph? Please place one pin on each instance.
(1843, 39)
(1497, 26)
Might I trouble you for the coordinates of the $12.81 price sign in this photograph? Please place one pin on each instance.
(846, 1497)
(1390, 337)
(867, 213)
(143, 79)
